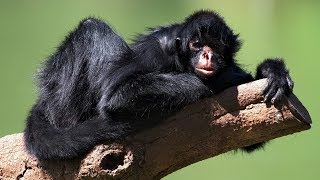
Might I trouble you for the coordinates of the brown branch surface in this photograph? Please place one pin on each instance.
(234, 118)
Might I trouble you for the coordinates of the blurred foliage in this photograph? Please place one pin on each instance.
(31, 30)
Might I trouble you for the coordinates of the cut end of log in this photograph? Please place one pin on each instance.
(235, 118)
(106, 160)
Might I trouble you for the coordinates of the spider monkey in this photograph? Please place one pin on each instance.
(97, 88)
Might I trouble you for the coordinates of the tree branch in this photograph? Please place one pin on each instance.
(234, 118)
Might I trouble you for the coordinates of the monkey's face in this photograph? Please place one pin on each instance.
(204, 56)
(207, 44)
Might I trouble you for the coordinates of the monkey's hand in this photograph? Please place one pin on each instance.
(279, 80)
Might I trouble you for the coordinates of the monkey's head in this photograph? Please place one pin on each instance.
(206, 45)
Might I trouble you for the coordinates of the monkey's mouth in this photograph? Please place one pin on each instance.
(205, 72)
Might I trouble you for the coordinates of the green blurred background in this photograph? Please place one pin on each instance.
(31, 30)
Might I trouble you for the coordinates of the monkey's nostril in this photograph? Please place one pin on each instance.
(205, 56)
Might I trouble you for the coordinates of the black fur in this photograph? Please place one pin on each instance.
(97, 88)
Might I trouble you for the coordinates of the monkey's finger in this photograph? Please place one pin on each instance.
(267, 88)
(290, 85)
(290, 82)
(278, 96)
(270, 93)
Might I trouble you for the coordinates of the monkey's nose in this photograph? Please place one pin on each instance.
(207, 55)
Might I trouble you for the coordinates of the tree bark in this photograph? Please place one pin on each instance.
(235, 118)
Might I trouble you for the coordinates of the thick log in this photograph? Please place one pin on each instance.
(235, 118)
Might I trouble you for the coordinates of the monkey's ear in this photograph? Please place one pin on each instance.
(174, 46)
(178, 43)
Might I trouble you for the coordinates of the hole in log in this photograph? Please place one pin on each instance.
(112, 161)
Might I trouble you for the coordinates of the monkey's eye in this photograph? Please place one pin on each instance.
(195, 45)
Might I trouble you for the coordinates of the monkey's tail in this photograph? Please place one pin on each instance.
(48, 142)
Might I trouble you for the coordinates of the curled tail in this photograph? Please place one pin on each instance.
(48, 142)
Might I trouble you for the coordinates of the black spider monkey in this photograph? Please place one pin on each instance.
(97, 88)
